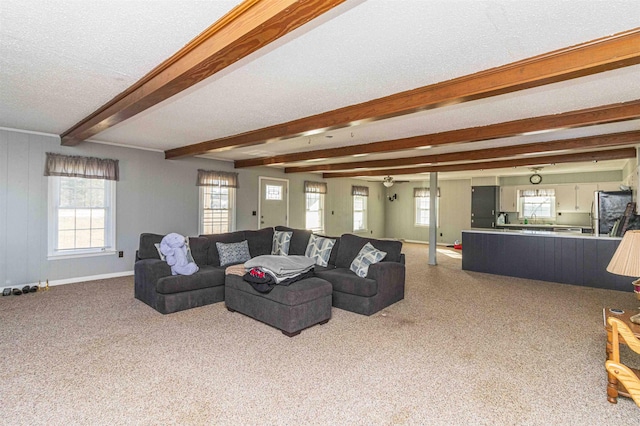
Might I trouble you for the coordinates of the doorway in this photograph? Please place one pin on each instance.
(273, 208)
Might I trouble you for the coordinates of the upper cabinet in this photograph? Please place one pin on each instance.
(508, 199)
(565, 198)
(584, 196)
(578, 198)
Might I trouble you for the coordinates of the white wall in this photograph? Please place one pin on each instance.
(454, 211)
(153, 195)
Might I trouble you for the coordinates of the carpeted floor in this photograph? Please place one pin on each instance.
(462, 348)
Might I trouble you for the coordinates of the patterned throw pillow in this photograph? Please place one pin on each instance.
(319, 249)
(281, 242)
(368, 255)
(186, 243)
(233, 253)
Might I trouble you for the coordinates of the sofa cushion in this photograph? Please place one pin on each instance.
(260, 241)
(232, 253)
(281, 242)
(299, 240)
(199, 250)
(319, 249)
(345, 281)
(146, 248)
(207, 276)
(368, 255)
(350, 246)
(228, 237)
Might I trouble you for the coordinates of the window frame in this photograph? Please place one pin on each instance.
(521, 200)
(364, 213)
(231, 210)
(109, 248)
(427, 199)
(321, 211)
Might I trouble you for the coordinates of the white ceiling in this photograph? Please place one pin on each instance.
(60, 61)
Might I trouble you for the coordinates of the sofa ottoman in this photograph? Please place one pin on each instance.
(290, 309)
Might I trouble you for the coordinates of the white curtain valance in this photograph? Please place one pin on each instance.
(315, 187)
(423, 192)
(217, 178)
(360, 190)
(84, 167)
(550, 192)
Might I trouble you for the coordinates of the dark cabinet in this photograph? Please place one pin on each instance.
(485, 202)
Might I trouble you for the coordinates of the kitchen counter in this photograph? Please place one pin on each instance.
(547, 227)
(562, 257)
(539, 232)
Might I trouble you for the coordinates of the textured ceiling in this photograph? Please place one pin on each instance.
(60, 61)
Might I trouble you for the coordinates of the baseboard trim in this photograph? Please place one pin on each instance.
(425, 242)
(75, 280)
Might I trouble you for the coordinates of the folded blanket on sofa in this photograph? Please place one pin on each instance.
(281, 265)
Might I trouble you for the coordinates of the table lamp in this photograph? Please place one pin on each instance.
(626, 261)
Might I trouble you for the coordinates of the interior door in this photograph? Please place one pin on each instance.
(274, 202)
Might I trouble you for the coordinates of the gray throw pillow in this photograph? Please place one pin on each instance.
(281, 242)
(367, 256)
(233, 253)
(319, 249)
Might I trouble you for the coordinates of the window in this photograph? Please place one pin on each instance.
(217, 201)
(273, 192)
(422, 210)
(537, 204)
(315, 212)
(360, 194)
(314, 205)
(359, 213)
(422, 198)
(81, 206)
(217, 209)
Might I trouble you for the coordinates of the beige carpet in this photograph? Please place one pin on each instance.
(462, 348)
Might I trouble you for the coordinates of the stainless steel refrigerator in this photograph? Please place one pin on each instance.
(607, 208)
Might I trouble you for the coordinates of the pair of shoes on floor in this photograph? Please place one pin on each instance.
(18, 292)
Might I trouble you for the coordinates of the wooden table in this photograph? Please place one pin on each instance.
(614, 389)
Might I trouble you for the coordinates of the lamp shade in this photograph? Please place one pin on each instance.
(626, 259)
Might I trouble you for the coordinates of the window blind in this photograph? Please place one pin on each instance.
(315, 187)
(83, 167)
(360, 190)
(217, 178)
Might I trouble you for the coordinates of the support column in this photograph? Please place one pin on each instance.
(433, 215)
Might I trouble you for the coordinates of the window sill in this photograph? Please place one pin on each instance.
(77, 255)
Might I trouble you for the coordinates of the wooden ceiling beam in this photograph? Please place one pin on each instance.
(600, 141)
(248, 27)
(589, 58)
(613, 154)
(580, 118)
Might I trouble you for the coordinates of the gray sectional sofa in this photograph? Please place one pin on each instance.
(155, 286)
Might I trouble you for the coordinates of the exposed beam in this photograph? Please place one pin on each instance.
(248, 27)
(613, 154)
(585, 117)
(593, 57)
(600, 141)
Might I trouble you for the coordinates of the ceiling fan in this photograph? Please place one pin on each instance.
(389, 181)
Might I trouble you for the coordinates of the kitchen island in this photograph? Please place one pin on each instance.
(562, 257)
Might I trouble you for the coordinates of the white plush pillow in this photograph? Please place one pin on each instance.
(281, 242)
(319, 249)
(233, 253)
(367, 256)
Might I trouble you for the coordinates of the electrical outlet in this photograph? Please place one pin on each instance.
(120, 254)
